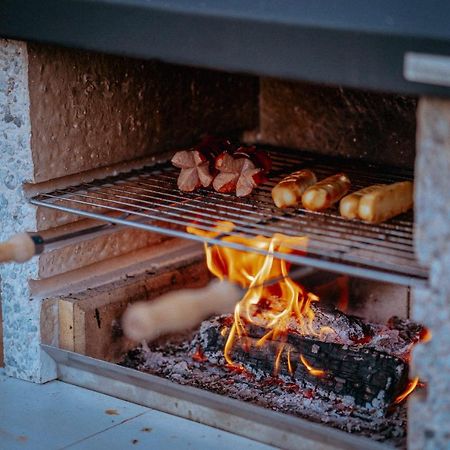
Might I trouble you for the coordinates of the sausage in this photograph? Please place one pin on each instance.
(288, 192)
(386, 202)
(198, 163)
(325, 193)
(348, 207)
(240, 171)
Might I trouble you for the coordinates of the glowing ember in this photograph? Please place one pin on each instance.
(425, 336)
(199, 356)
(311, 370)
(272, 299)
(411, 386)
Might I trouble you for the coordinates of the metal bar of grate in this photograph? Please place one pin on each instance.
(149, 199)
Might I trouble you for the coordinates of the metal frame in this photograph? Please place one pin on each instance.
(149, 199)
(355, 43)
(238, 417)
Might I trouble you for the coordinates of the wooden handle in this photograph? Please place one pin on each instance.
(19, 248)
(178, 310)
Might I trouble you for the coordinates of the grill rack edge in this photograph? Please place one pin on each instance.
(148, 199)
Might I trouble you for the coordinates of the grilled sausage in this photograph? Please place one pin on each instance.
(386, 202)
(325, 193)
(288, 192)
(348, 207)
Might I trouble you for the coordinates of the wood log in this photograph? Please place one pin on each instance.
(367, 374)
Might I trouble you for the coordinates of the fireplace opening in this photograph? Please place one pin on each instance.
(287, 349)
(329, 336)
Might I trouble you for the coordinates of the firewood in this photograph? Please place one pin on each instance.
(359, 370)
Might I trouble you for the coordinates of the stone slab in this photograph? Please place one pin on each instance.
(332, 120)
(88, 322)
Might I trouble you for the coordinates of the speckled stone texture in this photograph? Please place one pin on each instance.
(21, 316)
(331, 120)
(90, 110)
(429, 414)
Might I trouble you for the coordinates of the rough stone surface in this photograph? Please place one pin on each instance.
(432, 206)
(1, 334)
(374, 127)
(89, 110)
(94, 250)
(429, 414)
(21, 328)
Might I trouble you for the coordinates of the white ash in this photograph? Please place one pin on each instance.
(173, 360)
(395, 338)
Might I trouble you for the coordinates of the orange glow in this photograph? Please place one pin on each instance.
(425, 335)
(411, 386)
(291, 371)
(199, 356)
(312, 370)
(278, 359)
(344, 293)
(272, 300)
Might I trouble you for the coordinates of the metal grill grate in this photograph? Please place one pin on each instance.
(149, 199)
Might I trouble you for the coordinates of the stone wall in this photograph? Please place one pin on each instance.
(63, 112)
(90, 110)
(332, 120)
(429, 412)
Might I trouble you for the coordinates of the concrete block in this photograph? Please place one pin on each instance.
(88, 322)
(429, 418)
(432, 187)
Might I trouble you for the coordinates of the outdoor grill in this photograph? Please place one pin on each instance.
(100, 95)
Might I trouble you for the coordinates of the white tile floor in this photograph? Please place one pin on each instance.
(59, 416)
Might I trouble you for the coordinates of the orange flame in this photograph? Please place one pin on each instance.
(271, 305)
(312, 370)
(290, 369)
(425, 336)
(411, 386)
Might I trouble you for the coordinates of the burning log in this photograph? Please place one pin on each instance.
(370, 372)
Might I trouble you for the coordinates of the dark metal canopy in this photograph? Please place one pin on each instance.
(356, 43)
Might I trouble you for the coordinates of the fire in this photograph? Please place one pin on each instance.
(311, 370)
(272, 299)
(411, 386)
